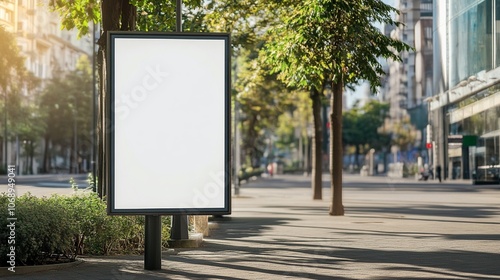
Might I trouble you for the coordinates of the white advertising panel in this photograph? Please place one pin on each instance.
(169, 123)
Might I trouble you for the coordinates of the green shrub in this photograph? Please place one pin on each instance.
(410, 169)
(49, 228)
(41, 230)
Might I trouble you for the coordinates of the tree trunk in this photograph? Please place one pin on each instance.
(32, 155)
(356, 154)
(46, 157)
(72, 159)
(116, 15)
(317, 157)
(336, 208)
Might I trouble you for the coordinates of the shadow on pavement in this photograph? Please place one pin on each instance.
(254, 256)
(241, 227)
(431, 210)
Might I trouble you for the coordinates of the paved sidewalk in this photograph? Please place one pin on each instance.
(393, 229)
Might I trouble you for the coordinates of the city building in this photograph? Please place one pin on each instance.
(409, 82)
(465, 107)
(8, 15)
(48, 51)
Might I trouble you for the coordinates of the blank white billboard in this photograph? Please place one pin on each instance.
(169, 123)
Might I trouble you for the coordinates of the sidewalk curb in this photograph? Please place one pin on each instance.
(30, 269)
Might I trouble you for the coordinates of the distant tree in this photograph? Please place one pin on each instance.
(261, 97)
(362, 127)
(30, 130)
(66, 104)
(292, 127)
(159, 15)
(288, 55)
(27, 122)
(12, 72)
(351, 134)
(404, 134)
(11, 62)
(81, 99)
(372, 117)
(262, 100)
(332, 42)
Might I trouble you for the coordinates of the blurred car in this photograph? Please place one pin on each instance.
(489, 174)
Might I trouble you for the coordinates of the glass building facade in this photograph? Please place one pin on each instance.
(465, 108)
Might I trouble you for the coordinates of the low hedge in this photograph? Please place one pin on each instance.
(57, 228)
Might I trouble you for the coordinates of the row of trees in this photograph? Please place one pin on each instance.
(58, 110)
(281, 47)
(66, 107)
(11, 75)
(366, 127)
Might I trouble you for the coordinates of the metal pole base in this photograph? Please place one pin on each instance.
(152, 246)
(179, 228)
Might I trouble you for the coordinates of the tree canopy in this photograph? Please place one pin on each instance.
(362, 127)
(332, 42)
(11, 62)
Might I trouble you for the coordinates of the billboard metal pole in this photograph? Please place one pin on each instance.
(152, 250)
(152, 246)
(178, 16)
(179, 229)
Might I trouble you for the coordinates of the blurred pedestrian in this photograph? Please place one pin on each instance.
(438, 172)
(270, 169)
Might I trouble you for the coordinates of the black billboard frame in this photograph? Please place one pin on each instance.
(109, 124)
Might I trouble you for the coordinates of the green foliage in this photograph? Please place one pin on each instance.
(28, 125)
(161, 15)
(244, 20)
(293, 124)
(40, 230)
(62, 227)
(77, 13)
(336, 41)
(21, 118)
(66, 109)
(152, 15)
(11, 63)
(262, 100)
(361, 126)
(404, 134)
(92, 182)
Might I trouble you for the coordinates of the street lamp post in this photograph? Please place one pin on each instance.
(75, 145)
(237, 159)
(5, 154)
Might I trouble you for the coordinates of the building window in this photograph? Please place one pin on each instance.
(5, 14)
(428, 32)
(470, 44)
(425, 7)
